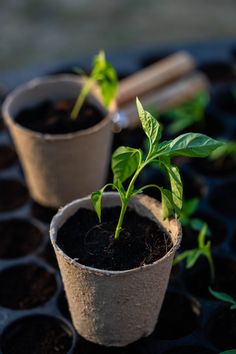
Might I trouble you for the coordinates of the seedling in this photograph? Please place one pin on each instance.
(187, 114)
(192, 256)
(188, 209)
(104, 76)
(127, 164)
(224, 297)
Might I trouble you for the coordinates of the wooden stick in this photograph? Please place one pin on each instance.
(155, 76)
(170, 96)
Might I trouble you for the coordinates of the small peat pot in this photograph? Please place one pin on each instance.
(114, 305)
(62, 158)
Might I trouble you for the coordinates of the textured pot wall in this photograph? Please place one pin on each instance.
(115, 308)
(59, 168)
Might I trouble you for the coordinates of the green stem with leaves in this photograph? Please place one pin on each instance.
(81, 98)
(128, 162)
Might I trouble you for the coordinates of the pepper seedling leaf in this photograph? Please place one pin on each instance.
(106, 77)
(125, 160)
(150, 125)
(223, 297)
(189, 144)
(96, 198)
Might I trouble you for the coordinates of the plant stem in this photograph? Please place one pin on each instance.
(81, 98)
(121, 218)
(212, 267)
(125, 200)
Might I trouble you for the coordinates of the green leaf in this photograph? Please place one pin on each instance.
(96, 198)
(180, 257)
(167, 202)
(222, 296)
(233, 307)
(150, 125)
(228, 149)
(176, 188)
(202, 237)
(197, 224)
(125, 161)
(187, 113)
(231, 351)
(190, 206)
(192, 258)
(106, 78)
(189, 144)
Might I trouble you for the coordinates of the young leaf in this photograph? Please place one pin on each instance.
(150, 125)
(106, 78)
(231, 351)
(104, 75)
(96, 198)
(190, 206)
(166, 202)
(176, 188)
(125, 161)
(189, 144)
(192, 258)
(223, 296)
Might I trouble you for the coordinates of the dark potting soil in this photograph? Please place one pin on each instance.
(27, 286)
(13, 194)
(7, 157)
(51, 117)
(141, 240)
(176, 306)
(37, 335)
(18, 238)
(222, 329)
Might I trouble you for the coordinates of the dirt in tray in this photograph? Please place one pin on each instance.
(222, 329)
(26, 286)
(53, 117)
(141, 240)
(37, 335)
(18, 238)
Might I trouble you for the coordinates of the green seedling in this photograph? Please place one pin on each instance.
(128, 163)
(104, 76)
(188, 209)
(231, 351)
(192, 256)
(224, 297)
(187, 114)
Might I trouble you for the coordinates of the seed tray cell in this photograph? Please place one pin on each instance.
(34, 315)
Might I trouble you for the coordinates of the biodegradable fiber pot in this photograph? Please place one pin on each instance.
(115, 308)
(59, 168)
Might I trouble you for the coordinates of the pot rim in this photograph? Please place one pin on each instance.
(10, 121)
(137, 199)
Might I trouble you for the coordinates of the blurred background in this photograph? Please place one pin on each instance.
(41, 32)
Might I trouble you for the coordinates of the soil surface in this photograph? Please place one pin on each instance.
(38, 335)
(7, 156)
(18, 238)
(141, 240)
(179, 317)
(13, 194)
(222, 329)
(27, 286)
(197, 279)
(51, 117)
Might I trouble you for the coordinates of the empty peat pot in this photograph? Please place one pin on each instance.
(112, 307)
(59, 167)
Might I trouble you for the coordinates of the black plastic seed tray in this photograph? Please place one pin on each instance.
(34, 316)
